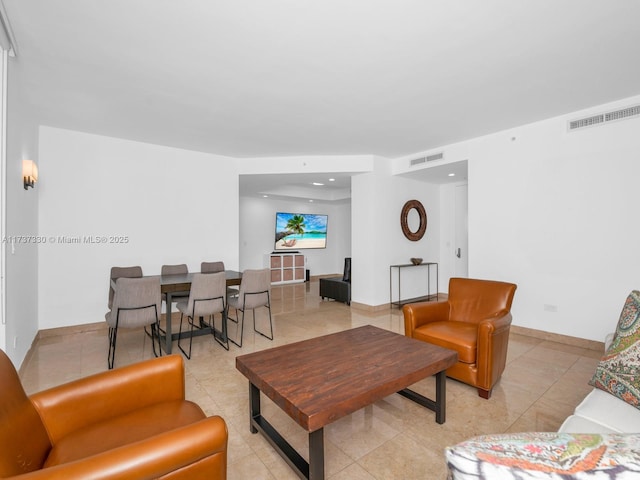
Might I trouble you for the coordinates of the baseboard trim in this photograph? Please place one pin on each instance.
(85, 327)
(370, 308)
(559, 338)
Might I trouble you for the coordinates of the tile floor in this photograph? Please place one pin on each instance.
(392, 439)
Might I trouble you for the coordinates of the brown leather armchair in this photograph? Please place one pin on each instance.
(131, 422)
(474, 321)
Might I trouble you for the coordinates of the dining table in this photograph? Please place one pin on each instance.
(179, 285)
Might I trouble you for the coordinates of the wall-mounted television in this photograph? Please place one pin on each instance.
(297, 231)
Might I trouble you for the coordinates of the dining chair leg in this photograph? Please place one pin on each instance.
(237, 320)
(111, 356)
(270, 325)
(225, 335)
(268, 307)
(234, 320)
(160, 331)
(190, 321)
(242, 327)
(155, 329)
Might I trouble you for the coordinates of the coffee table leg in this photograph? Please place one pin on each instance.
(316, 455)
(439, 405)
(254, 406)
(314, 469)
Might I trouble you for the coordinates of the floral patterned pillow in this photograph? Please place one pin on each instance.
(545, 456)
(618, 372)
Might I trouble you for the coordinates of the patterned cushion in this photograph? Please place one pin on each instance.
(618, 372)
(548, 456)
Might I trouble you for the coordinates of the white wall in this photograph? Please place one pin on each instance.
(172, 205)
(448, 233)
(257, 233)
(378, 241)
(555, 213)
(22, 220)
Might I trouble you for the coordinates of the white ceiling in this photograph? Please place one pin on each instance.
(335, 188)
(248, 78)
(439, 174)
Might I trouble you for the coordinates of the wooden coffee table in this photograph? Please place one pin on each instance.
(320, 380)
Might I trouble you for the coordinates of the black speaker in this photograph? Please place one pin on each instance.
(346, 276)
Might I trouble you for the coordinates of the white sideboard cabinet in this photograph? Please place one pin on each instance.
(286, 267)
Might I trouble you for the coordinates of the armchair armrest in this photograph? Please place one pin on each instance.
(494, 325)
(150, 458)
(68, 407)
(493, 340)
(421, 313)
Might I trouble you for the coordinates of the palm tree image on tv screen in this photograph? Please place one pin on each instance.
(296, 231)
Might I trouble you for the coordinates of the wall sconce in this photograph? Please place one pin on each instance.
(29, 173)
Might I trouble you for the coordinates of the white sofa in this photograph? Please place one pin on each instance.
(601, 412)
(598, 441)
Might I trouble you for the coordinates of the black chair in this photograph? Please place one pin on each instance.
(346, 276)
(336, 288)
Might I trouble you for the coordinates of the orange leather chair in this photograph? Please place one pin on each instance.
(131, 422)
(474, 321)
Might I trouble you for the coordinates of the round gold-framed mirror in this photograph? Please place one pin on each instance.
(417, 234)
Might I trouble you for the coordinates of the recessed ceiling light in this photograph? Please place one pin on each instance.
(265, 196)
(318, 184)
(452, 174)
(332, 179)
(310, 201)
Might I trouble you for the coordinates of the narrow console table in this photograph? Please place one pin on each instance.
(400, 301)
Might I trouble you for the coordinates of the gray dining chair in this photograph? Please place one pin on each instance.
(206, 298)
(179, 269)
(119, 272)
(214, 267)
(136, 303)
(255, 292)
(211, 267)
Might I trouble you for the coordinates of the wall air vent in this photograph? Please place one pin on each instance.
(435, 156)
(417, 161)
(622, 114)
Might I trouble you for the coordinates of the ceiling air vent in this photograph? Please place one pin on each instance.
(622, 114)
(435, 156)
(586, 122)
(428, 158)
(603, 118)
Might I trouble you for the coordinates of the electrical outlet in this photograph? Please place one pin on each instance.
(550, 308)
